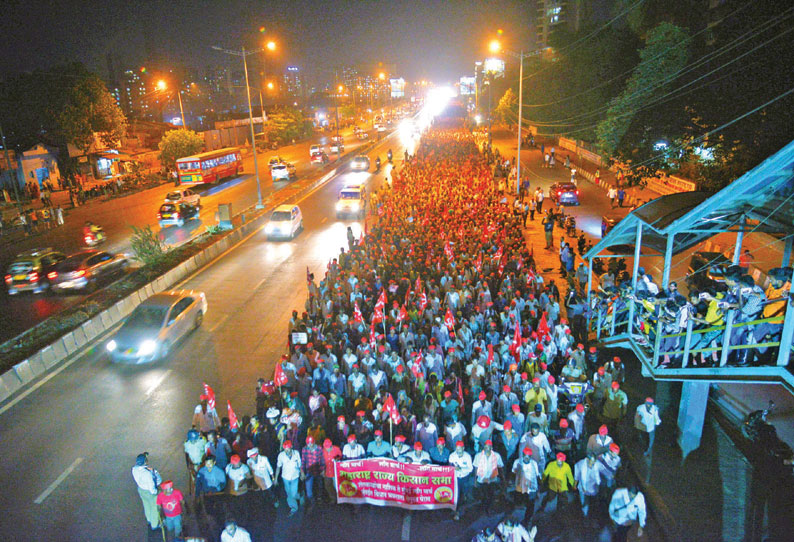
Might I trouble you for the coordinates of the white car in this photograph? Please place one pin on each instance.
(283, 172)
(315, 149)
(360, 163)
(183, 195)
(285, 222)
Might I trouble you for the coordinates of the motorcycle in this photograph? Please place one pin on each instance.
(94, 238)
(389, 155)
(570, 225)
(598, 265)
(561, 219)
(377, 163)
(571, 394)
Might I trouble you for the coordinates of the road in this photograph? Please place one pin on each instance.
(92, 418)
(117, 216)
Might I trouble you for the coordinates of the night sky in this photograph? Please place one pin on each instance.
(431, 39)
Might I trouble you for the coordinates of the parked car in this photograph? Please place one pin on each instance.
(564, 193)
(283, 172)
(85, 270)
(184, 195)
(337, 145)
(707, 270)
(285, 222)
(156, 325)
(360, 163)
(28, 271)
(176, 214)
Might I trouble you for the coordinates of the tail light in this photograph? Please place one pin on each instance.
(9, 279)
(33, 276)
(158, 216)
(577, 192)
(52, 275)
(87, 238)
(176, 215)
(79, 273)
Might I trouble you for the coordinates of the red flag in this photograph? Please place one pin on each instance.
(498, 255)
(279, 376)
(543, 325)
(390, 407)
(377, 316)
(449, 320)
(357, 316)
(501, 267)
(232, 416)
(418, 286)
(402, 315)
(460, 393)
(210, 396)
(372, 341)
(516, 340)
(490, 354)
(448, 251)
(381, 211)
(478, 263)
(381, 302)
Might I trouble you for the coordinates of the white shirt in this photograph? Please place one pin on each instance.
(530, 475)
(143, 477)
(462, 463)
(290, 466)
(588, 478)
(237, 475)
(353, 451)
(645, 420)
(516, 533)
(240, 535)
(623, 510)
(417, 457)
(261, 468)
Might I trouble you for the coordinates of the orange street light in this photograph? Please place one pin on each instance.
(161, 85)
(495, 46)
(271, 46)
(382, 76)
(270, 85)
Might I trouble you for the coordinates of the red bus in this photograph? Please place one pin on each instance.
(210, 167)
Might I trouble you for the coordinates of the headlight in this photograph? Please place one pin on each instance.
(339, 205)
(354, 206)
(111, 345)
(147, 347)
(269, 228)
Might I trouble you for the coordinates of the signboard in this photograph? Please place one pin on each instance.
(221, 124)
(397, 87)
(300, 337)
(495, 67)
(386, 482)
(467, 85)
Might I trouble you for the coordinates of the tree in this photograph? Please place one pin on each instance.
(178, 144)
(286, 124)
(506, 111)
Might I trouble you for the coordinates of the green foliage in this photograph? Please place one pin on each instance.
(214, 229)
(286, 124)
(506, 111)
(347, 112)
(662, 58)
(178, 144)
(147, 246)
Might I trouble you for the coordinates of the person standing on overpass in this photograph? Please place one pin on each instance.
(148, 481)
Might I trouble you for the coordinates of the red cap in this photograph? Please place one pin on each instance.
(563, 423)
(536, 380)
(327, 443)
(513, 367)
(580, 346)
(169, 484)
(489, 442)
(524, 376)
(202, 397)
(543, 366)
(568, 331)
(616, 359)
(551, 379)
(447, 394)
(603, 430)
(560, 456)
(417, 445)
(614, 448)
(482, 396)
(340, 418)
(234, 459)
(400, 438)
(527, 451)
(516, 407)
(484, 421)
(309, 439)
(615, 386)
(506, 388)
(460, 443)
(580, 407)
(361, 413)
(649, 399)
(351, 438)
(378, 433)
(399, 369)
(601, 371)
(440, 440)
(287, 444)
(508, 424)
(593, 349)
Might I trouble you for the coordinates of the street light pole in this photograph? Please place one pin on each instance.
(490, 125)
(338, 92)
(181, 110)
(520, 104)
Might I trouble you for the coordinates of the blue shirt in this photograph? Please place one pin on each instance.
(378, 450)
(439, 457)
(210, 481)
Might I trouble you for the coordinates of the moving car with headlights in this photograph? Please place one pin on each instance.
(85, 270)
(351, 201)
(564, 193)
(360, 163)
(707, 270)
(314, 149)
(28, 272)
(320, 158)
(176, 214)
(184, 195)
(610, 220)
(283, 172)
(285, 222)
(156, 325)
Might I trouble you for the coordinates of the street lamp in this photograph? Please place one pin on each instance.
(339, 91)
(271, 45)
(243, 53)
(162, 85)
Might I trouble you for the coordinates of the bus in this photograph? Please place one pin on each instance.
(210, 167)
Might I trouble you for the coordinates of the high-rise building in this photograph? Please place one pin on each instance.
(131, 94)
(293, 83)
(551, 13)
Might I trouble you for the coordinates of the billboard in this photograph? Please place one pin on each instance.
(467, 85)
(397, 87)
(495, 66)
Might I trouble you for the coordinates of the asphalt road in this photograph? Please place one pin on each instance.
(117, 216)
(76, 435)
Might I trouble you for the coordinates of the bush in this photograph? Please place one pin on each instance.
(147, 246)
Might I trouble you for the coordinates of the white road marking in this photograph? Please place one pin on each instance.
(157, 382)
(219, 323)
(46, 493)
(406, 534)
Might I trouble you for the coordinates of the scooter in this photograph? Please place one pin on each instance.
(570, 225)
(764, 435)
(571, 394)
(389, 156)
(561, 218)
(377, 163)
(93, 239)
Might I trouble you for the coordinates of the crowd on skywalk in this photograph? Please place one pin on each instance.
(432, 338)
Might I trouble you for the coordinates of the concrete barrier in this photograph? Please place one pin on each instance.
(37, 364)
(24, 372)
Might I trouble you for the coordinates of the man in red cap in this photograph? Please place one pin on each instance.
(418, 455)
(170, 503)
(559, 480)
(481, 407)
(439, 454)
(487, 469)
(517, 419)
(563, 437)
(615, 406)
(400, 448)
(608, 465)
(331, 454)
(263, 474)
(288, 466)
(536, 396)
(506, 401)
(599, 443)
(576, 421)
(312, 464)
(353, 450)
(528, 478)
(378, 447)
(462, 461)
(646, 420)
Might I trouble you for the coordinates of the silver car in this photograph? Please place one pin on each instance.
(156, 325)
(85, 270)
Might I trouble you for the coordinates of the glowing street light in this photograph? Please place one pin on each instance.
(161, 86)
(382, 76)
(494, 46)
(271, 45)
(270, 85)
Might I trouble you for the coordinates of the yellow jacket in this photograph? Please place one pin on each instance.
(559, 478)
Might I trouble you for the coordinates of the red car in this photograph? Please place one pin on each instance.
(320, 158)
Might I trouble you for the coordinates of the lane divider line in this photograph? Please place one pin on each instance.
(157, 383)
(58, 481)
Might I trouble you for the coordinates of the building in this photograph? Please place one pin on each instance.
(36, 165)
(551, 14)
(131, 95)
(293, 83)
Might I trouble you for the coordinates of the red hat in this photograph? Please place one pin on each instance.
(202, 397)
(400, 438)
(568, 331)
(564, 322)
(524, 376)
(482, 396)
(580, 346)
(616, 359)
(580, 407)
(417, 445)
(340, 419)
(355, 366)
(484, 421)
(361, 413)
(513, 367)
(563, 423)
(506, 388)
(551, 379)
(536, 380)
(649, 399)
(540, 348)
(351, 438)
(614, 448)
(399, 369)
(560, 456)
(440, 440)
(309, 439)
(447, 394)
(543, 366)
(603, 430)
(378, 433)
(516, 407)
(527, 451)
(460, 443)
(508, 424)
(169, 484)
(327, 443)
(489, 442)
(234, 459)
(302, 371)
(601, 371)
(593, 349)
(615, 386)
(287, 444)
